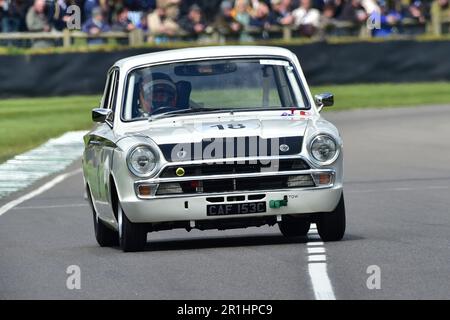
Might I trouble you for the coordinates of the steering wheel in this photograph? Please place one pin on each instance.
(162, 110)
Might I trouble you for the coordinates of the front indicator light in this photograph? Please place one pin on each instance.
(323, 179)
(145, 190)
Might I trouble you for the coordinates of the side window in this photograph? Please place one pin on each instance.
(115, 85)
(106, 93)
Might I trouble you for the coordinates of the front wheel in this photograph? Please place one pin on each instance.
(331, 225)
(132, 236)
(294, 227)
(106, 237)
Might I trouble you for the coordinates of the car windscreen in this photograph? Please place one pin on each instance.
(236, 84)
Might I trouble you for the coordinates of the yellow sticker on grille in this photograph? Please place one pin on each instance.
(179, 172)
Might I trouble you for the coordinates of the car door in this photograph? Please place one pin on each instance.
(91, 159)
(100, 144)
(107, 139)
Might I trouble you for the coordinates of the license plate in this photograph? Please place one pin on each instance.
(235, 208)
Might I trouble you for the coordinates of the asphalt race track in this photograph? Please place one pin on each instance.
(397, 173)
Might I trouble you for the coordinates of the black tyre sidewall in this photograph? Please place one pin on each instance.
(294, 227)
(105, 236)
(134, 235)
(331, 225)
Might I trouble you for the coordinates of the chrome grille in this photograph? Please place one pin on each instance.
(205, 169)
(236, 184)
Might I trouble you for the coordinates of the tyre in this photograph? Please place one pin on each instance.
(105, 236)
(132, 236)
(294, 227)
(331, 225)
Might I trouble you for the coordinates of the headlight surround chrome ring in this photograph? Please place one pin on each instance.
(142, 161)
(326, 141)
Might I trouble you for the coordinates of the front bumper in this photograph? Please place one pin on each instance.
(193, 207)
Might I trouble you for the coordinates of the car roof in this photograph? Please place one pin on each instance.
(201, 52)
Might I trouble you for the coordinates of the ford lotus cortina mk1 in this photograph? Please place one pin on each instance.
(212, 138)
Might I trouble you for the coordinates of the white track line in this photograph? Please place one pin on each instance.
(315, 243)
(317, 268)
(47, 186)
(53, 156)
(316, 250)
(317, 258)
(321, 283)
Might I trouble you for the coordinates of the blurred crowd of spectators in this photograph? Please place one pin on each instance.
(164, 19)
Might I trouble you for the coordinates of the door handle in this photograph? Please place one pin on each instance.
(94, 142)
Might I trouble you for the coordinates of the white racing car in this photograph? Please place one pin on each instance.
(212, 138)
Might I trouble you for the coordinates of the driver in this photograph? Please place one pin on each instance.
(157, 92)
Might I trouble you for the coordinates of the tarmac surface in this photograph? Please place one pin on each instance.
(397, 193)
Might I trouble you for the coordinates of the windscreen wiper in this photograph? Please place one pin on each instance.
(185, 111)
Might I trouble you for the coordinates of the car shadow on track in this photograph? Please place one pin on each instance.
(221, 242)
(231, 241)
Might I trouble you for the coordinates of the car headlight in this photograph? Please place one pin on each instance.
(142, 161)
(324, 149)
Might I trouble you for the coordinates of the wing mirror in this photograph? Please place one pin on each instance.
(101, 115)
(324, 100)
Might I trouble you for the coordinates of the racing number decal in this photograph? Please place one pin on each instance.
(229, 126)
(236, 126)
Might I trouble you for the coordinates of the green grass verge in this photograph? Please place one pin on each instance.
(26, 123)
